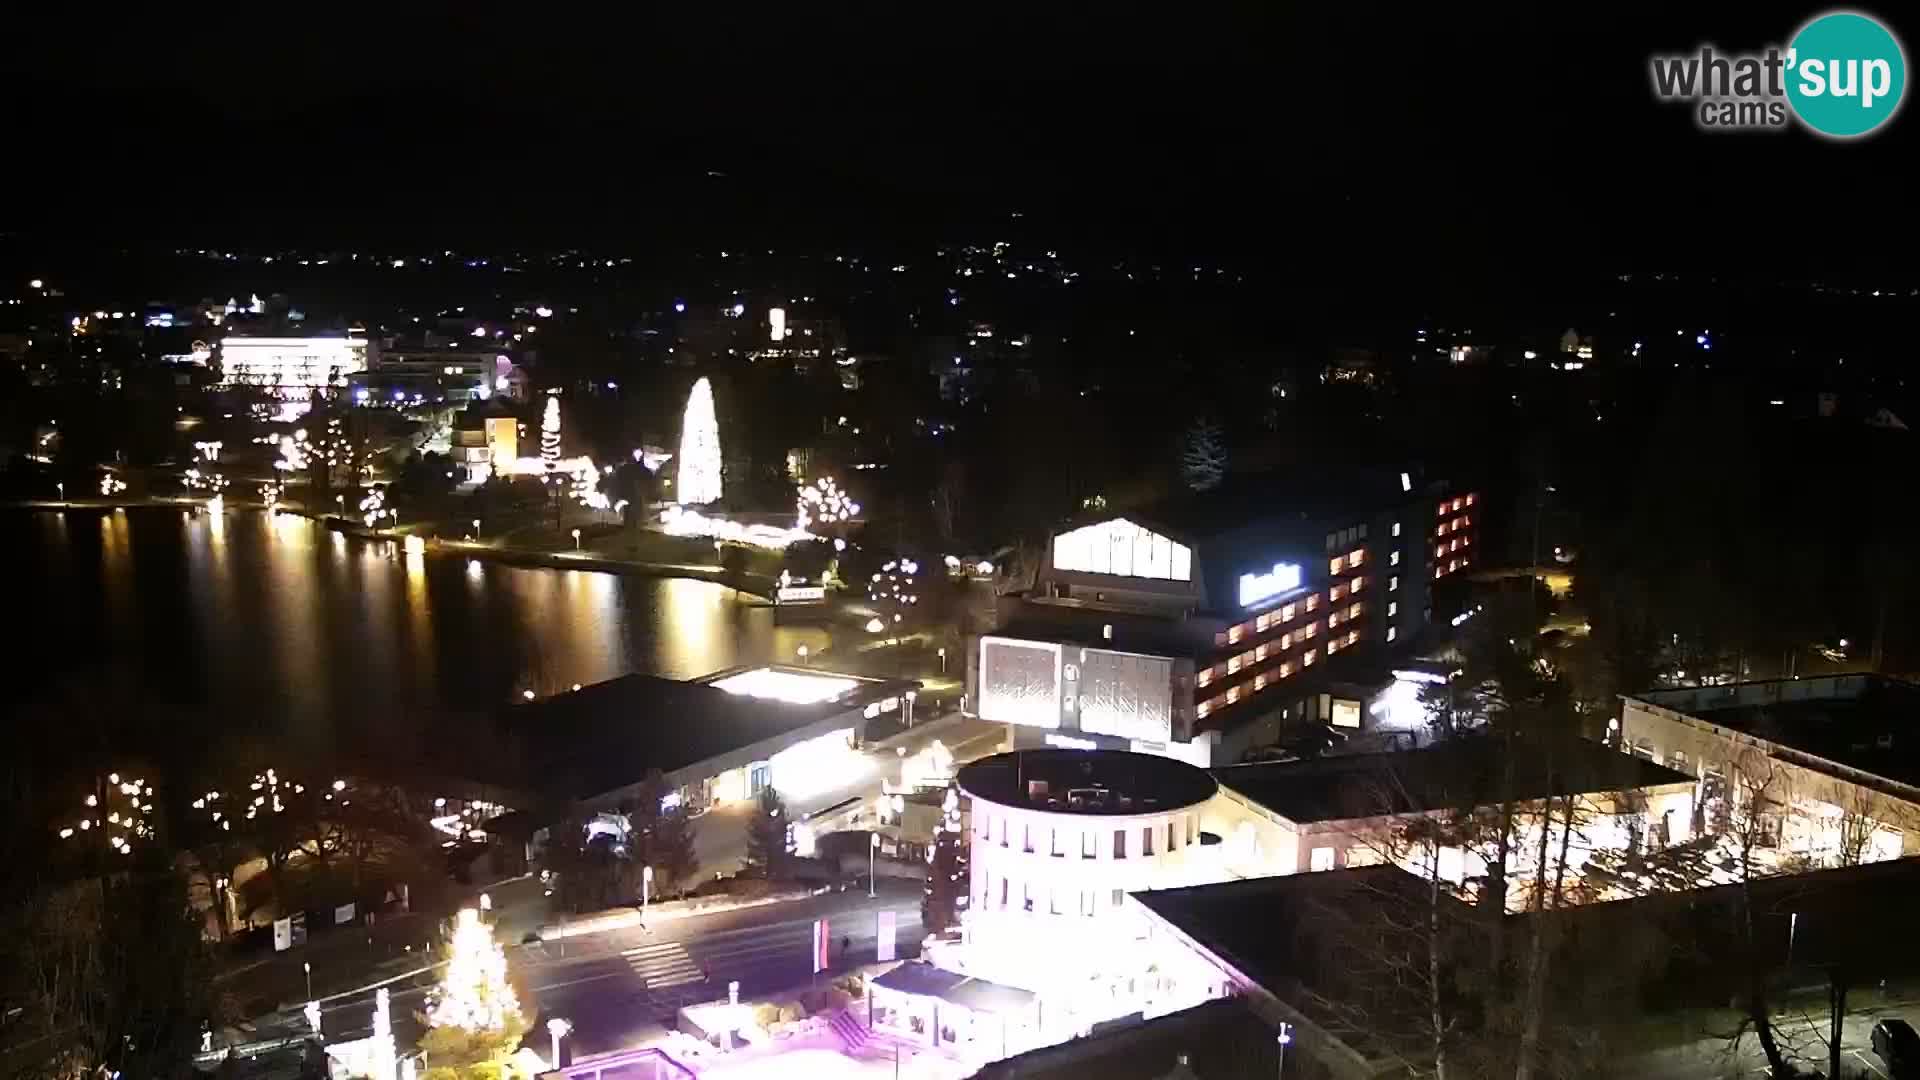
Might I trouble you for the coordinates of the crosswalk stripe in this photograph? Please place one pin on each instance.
(664, 964)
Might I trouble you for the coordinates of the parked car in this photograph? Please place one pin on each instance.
(1895, 1043)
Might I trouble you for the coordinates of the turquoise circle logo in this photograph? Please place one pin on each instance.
(1846, 74)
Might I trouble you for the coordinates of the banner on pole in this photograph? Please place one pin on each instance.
(282, 935)
(820, 939)
(887, 929)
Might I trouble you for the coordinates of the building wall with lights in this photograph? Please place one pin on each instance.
(308, 363)
(1249, 610)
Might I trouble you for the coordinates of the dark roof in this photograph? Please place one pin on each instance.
(1859, 720)
(1086, 781)
(1284, 933)
(609, 734)
(1150, 634)
(1456, 774)
(1222, 1040)
(1303, 498)
(924, 980)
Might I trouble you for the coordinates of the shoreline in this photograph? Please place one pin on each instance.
(758, 586)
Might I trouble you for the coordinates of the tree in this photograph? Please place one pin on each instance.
(767, 837)
(1203, 456)
(474, 1022)
(661, 835)
(699, 459)
(588, 875)
(947, 872)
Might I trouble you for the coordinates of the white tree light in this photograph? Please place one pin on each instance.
(550, 433)
(474, 994)
(699, 449)
(824, 503)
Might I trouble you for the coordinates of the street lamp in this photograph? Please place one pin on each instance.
(943, 659)
(802, 650)
(557, 1027)
(476, 528)
(1282, 1039)
(62, 485)
(873, 852)
(486, 902)
(646, 890)
(910, 696)
(309, 969)
(576, 539)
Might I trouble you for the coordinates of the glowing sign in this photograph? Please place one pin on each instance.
(1284, 577)
(1020, 682)
(1124, 549)
(801, 594)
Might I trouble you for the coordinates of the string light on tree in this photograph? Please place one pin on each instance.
(550, 432)
(822, 502)
(117, 814)
(699, 458)
(474, 1015)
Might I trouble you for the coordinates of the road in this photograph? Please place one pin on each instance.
(624, 985)
(1710, 1058)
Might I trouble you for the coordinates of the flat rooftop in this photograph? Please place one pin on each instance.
(1098, 782)
(1285, 934)
(1862, 721)
(1452, 775)
(608, 734)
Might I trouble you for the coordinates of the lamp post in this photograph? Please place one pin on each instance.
(486, 902)
(557, 1027)
(1281, 1040)
(802, 650)
(943, 659)
(576, 539)
(873, 852)
(308, 966)
(476, 528)
(646, 890)
(62, 485)
(910, 696)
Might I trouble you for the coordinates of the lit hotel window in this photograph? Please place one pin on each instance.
(1393, 583)
(1233, 664)
(1313, 602)
(1338, 563)
(1286, 613)
(1261, 623)
(1233, 634)
(1469, 500)
(1396, 528)
(1357, 556)
(1308, 659)
(1336, 593)
(1393, 559)
(1201, 710)
(1438, 550)
(1309, 630)
(1286, 641)
(1259, 682)
(1441, 510)
(1333, 620)
(1358, 584)
(1204, 677)
(1354, 611)
(1286, 669)
(1333, 646)
(1392, 632)
(1259, 652)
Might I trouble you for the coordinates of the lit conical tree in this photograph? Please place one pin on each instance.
(550, 433)
(474, 1015)
(699, 481)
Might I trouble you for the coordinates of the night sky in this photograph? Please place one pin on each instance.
(1393, 139)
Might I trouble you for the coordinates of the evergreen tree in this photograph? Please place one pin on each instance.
(662, 835)
(474, 1019)
(1203, 458)
(947, 871)
(767, 837)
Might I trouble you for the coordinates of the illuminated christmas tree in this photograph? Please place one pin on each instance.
(948, 876)
(474, 1015)
(550, 433)
(699, 458)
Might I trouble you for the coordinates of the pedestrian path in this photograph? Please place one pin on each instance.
(663, 964)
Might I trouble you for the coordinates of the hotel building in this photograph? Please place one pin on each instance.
(1197, 628)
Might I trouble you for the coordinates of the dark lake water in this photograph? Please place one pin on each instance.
(243, 623)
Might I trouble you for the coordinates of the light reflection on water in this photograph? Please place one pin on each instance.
(250, 622)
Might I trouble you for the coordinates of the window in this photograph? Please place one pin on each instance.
(1286, 613)
(1320, 859)
(1333, 646)
(1026, 896)
(1333, 620)
(1679, 762)
(1086, 901)
(1233, 634)
(1119, 843)
(1313, 602)
(1146, 840)
(1286, 669)
(1393, 559)
(1053, 901)
(1337, 564)
(1259, 652)
(1392, 632)
(1059, 844)
(1309, 630)
(1396, 528)
(1357, 584)
(1393, 583)
(1309, 658)
(1233, 665)
(1356, 557)
(1393, 608)
(1203, 677)
(1003, 893)
(1119, 897)
(1286, 641)
(1354, 611)
(1337, 593)
(1261, 623)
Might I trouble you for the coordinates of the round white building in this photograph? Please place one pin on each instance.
(1059, 837)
